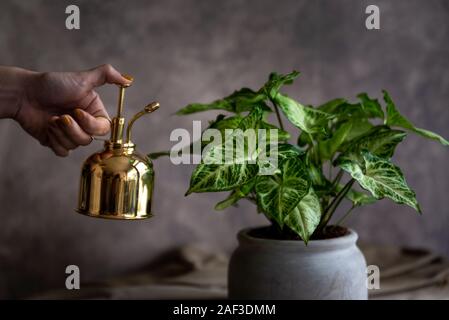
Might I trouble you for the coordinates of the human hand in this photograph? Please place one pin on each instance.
(63, 111)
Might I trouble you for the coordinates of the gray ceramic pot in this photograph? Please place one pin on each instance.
(288, 269)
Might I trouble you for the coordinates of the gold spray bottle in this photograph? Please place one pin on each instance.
(117, 182)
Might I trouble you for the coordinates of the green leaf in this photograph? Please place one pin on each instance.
(286, 150)
(221, 123)
(252, 120)
(333, 105)
(343, 110)
(307, 119)
(371, 107)
(245, 99)
(226, 123)
(394, 118)
(282, 134)
(239, 101)
(304, 140)
(327, 148)
(199, 107)
(382, 178)
(305, 217)
(276, 81)
(221, 177)
(359, 127)
(279, 194)
(381, 141)
(239, 193)
(215, 173)
(359, 199)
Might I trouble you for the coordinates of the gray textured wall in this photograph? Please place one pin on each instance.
(185, 51)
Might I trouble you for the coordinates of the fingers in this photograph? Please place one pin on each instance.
(65, 134)
(95, 126)
(73, 131)
(93, 119)
(56, 147)
(106, 74)
(61, 138)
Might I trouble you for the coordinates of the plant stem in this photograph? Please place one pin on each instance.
(334, 204)
(345, 216)
(278, 114)
(337, 178)
(311, 139)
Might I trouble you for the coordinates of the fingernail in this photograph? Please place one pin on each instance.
(127, 77)
(66, 120)
(79, 113)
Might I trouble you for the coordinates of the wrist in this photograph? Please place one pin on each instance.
(14, 83)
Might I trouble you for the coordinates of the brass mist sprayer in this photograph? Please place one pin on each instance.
(117, 182)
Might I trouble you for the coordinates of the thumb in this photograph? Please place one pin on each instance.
(106, 74)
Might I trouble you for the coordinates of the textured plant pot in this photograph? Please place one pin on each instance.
(288, 269)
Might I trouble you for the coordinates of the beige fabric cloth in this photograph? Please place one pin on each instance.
(193, 272)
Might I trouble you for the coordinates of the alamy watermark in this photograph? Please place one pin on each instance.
(372, 22)
(72, 22)
(72, 282)
(373, 277)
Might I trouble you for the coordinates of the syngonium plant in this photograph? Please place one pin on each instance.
(301, 196)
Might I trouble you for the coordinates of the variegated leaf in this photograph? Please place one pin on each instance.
(306, 118)
(371, 107)
(239, 101)
(279, 194)
(327, 148)
(220, 177)
(382, 178)
(380, 141)
(305, 217)
(394, 118)
(224, 167)
(332, 106)
(276, 81)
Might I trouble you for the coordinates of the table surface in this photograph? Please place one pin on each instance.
(193, 272)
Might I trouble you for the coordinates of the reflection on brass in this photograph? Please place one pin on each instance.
(117, 182)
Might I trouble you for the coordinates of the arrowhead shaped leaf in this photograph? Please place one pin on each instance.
(382, 178)
(306, 118)
(371, 107)
(276, 81)
(332, 106)
(305, 217)
(327, 148)
(220, 177)
(279, 194)
(380, 141)
(359, 127)
(239, 101)
(218, 174)
(343, 110)
(394, 118)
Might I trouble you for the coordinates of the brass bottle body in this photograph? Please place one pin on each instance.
(116, 183)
